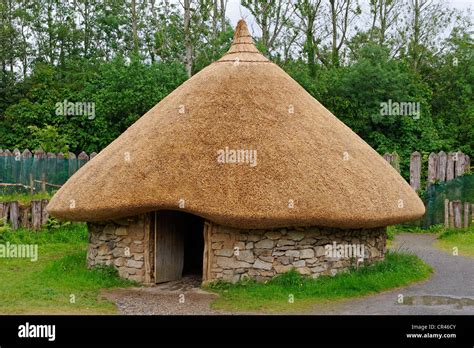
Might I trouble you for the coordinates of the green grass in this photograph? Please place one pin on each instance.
(398, 269)
(46, 286)
(24, 198)
(392, 230)
(461, 239)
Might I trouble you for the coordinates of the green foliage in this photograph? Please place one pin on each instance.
(48, 139)
(122, 91)
(72, 233)
(392, 230)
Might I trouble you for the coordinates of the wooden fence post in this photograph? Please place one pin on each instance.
(450, 166)
(451, 214)
(415, 170)
(25, 217)
(14, 215)
(432, 168)
(446, 213)
(36, 214)
(82, 159)
(457, 214)
(467, 216)
(442, 162)
(3, 210)
(459, 164)
(44, 212)
(72, 164)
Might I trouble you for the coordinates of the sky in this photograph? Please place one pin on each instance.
(235, 12)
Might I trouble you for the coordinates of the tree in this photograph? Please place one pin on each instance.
(271, 16)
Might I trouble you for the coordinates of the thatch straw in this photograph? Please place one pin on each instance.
(311, 168)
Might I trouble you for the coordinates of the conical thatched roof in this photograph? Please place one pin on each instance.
(311, 169)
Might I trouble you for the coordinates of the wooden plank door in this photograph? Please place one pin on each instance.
(169, 247)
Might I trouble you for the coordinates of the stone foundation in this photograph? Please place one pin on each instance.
(120, 244)
(236, 254)
(261, 254)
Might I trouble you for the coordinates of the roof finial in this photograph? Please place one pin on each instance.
(242, 34)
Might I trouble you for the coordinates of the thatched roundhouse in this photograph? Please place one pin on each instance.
(237, 173)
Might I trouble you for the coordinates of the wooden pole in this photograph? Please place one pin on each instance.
(14, 214)
(25, 217)
(415, 170)
(451, 215)
(446, 213)
(442, 162)
(432, 168)
(450, 166)
(457, 214)
(44, 212)
(467, 216)
(36, 214)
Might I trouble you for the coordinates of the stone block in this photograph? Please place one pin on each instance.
(121, 231)
(295, 235)
(224, 252)
(285, 242)
(134, 264)
(300, 263)
(273, 235)
(245, 255)
(264, 244)
(292, 253)
(259, 264)
(230, 262)
(306, 254)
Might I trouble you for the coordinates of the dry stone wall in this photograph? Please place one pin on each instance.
(261, 254)
(120, 244)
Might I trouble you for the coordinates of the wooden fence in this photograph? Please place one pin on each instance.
(30, 216)
(458, 214)
(441, 166)
(38, 171)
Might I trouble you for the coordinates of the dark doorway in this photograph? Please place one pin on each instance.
(179, 245)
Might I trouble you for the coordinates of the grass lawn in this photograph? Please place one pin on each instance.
(59, 275)
(398, 269)
(463, 240)
(23, 198)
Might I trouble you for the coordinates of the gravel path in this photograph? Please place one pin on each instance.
(450, 290)
(183, 297)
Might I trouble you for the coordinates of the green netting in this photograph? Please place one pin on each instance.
(461, 189)
(17, 170)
